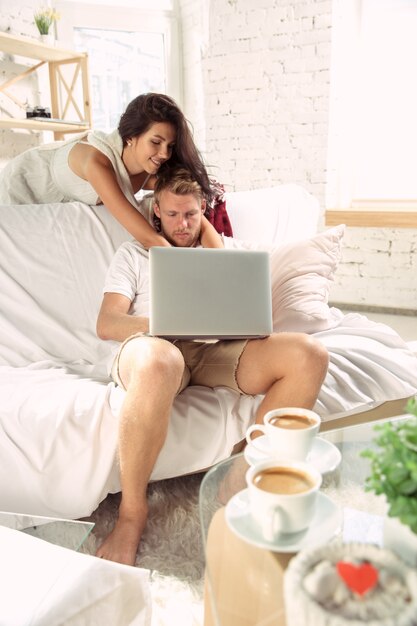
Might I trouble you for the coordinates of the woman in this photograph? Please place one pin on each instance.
(100, 168)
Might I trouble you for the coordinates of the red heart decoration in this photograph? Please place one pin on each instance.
(359, 578)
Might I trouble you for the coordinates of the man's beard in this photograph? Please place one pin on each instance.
(192, 243)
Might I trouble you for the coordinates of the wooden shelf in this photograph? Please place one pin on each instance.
(62, 91)
(33, 49)
(57, 127)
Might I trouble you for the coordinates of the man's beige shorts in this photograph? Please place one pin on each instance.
(211, 364)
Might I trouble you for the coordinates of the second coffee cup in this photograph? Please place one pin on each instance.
(282, 496)
(290, 432)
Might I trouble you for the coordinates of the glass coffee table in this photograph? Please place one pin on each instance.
(243, 585)
(61, 532)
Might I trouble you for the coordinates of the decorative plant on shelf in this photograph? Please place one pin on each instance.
(44, 18)
(394, 467)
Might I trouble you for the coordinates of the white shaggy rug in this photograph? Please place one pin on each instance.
(171, 548)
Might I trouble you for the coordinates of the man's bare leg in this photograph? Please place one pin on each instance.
(289, 368)
(151, 370)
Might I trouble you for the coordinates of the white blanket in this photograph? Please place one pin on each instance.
(58, 412)
(369, 364)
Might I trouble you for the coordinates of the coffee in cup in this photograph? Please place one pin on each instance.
(292, 422)
(290, 432)
(282, 496)
(284, 480)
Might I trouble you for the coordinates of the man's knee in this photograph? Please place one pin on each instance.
(313, 351)
(152, 357)
(299, 350)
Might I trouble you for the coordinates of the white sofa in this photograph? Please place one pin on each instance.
(58, 413)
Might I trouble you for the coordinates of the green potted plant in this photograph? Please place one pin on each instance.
(44, 18)
(393, 474)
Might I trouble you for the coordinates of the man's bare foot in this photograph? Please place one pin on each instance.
(121, 545)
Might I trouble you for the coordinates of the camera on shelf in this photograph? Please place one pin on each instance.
(38, 112)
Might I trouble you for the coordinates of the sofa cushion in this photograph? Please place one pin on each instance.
(301, 276)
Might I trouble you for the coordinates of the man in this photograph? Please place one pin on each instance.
(288, 368)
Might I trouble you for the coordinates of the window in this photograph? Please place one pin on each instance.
(373, 124)
(130, 51)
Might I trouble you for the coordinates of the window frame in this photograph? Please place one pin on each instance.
(75, 14)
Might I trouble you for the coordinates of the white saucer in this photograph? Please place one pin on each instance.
(323, 455)
(326, 522)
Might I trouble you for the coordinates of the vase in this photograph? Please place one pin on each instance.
(47, 39)
(400, 539)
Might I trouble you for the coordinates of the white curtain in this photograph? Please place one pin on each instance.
(373, 100)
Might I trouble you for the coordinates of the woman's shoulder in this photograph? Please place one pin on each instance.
(84, 156)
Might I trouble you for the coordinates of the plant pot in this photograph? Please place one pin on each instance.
(48, 39)
(400, 539)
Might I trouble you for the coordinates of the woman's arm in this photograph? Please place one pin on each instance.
(210, 238)
(96, 168)
(114, 321)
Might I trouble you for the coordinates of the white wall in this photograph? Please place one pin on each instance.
(257, 93)
(264, 67)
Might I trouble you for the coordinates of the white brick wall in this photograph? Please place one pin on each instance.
(256, 89)
(266, 83)
(265, 102)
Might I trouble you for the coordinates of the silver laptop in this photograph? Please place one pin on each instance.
(201, 293)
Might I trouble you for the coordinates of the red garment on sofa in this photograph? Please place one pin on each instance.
(217, 214)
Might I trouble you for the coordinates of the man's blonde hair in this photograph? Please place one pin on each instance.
(178, 181)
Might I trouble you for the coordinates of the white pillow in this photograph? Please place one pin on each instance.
(301, 276)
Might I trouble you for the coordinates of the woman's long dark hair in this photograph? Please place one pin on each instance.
(150, 108)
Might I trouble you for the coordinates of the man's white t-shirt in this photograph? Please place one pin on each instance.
(128, 275)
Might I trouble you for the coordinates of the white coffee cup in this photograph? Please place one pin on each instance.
(282, 496)
(290, 432)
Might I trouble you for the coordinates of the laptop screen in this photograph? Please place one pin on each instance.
(209, 293)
